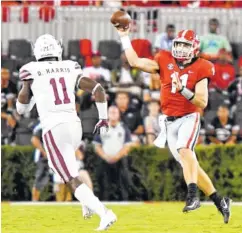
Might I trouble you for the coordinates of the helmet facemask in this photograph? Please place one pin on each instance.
(182, 50)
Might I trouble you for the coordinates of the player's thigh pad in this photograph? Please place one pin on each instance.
(188, 131)
(61, 143)
(172, 136)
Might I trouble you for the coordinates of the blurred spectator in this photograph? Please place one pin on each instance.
(46, 13)
(130, 116)
(202, 134)
(224, 71)
(96, 71)
(164, 40)
(235, 88)
(151, 122)
(213, 41)
(8, 121)
(126, 74)
(154, 89)
(40, 158)
(109, 3)
(112, 149)
(8, 88)
(223, 129)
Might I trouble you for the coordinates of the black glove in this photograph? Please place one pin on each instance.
(101, 127)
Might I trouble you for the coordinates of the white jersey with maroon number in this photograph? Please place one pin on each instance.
(53, 89)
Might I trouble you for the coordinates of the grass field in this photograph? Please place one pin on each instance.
(145, 218)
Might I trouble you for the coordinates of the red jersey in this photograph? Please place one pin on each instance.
(224, 75)
(174, 104)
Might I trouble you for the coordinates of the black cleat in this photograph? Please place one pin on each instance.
(191, 204)
(224, 209)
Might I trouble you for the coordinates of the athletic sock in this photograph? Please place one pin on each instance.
(192, 190)
(216, 199)
(85, 195)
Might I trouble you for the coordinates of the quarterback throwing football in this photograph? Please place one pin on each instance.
(184, 88)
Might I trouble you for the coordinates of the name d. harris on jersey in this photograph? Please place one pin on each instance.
(53, 71)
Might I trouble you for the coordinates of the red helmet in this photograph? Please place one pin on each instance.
(186, 45)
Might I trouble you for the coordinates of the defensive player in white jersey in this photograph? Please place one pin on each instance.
(50, 84)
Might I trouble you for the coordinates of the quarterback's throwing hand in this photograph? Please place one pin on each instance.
(123, 32)
(101, 127)
(176, 83)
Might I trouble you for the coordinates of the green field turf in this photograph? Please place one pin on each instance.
(146, 218)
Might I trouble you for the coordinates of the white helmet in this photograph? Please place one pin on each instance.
(47, 46)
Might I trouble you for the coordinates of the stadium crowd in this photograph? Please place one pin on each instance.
(135, 93)
(47, 11)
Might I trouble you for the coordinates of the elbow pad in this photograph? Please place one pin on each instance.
(23, 108)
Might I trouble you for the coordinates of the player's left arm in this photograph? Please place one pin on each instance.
(98, 91)
(200, 97)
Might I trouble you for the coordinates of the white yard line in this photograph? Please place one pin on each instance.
(106, 203)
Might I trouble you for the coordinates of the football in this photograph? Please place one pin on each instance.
(120, 19)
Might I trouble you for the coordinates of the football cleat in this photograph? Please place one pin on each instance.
(86, 212)
(224, 208)
(191, 204)
(107, 220)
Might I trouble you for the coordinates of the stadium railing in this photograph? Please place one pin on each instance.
(93, 23)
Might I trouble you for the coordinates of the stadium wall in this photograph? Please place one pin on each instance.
(93, 23)
(154, 174)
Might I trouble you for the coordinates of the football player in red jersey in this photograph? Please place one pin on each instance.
(184, 89)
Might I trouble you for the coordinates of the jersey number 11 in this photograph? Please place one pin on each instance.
(183, 78)
(58, 101)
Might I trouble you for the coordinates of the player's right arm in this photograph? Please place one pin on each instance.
(143, 64)
(25, 101)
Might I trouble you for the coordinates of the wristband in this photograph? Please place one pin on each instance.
(189, 95)
(102, 110)
(126, 43)
(95, 88)
(23, 108)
